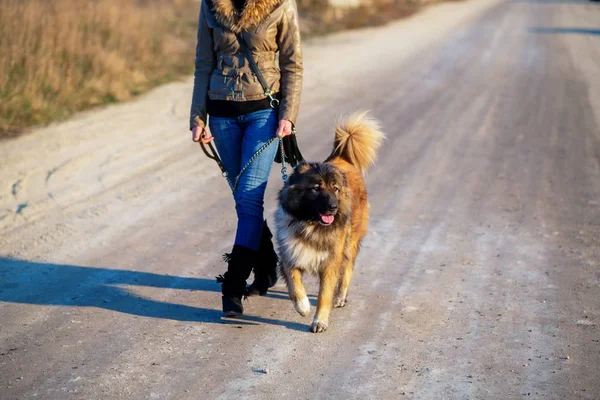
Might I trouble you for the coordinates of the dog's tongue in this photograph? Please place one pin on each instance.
(327, 219)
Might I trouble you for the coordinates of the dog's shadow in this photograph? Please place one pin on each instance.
(28, 282)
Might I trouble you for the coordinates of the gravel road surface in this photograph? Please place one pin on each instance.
(479, 278)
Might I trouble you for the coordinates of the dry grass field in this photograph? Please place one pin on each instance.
(61, 56)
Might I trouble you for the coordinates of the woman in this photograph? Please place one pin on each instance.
(242, 119)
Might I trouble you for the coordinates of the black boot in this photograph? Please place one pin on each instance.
(265, 269)
(240, 262)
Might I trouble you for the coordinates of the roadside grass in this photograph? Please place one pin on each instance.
(320, 19)
(63, 56)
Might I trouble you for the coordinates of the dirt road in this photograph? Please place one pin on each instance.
(479, 279)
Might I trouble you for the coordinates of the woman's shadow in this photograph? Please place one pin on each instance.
(28, 282)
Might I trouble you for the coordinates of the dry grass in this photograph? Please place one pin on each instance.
(61, 56)
(321, 19)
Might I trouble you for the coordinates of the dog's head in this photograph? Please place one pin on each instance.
(316, 192)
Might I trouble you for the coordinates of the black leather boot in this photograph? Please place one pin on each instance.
(265, 269)
(240, 262)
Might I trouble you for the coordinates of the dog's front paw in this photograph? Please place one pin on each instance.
(339, 302)
(319, 326)
(302, 306)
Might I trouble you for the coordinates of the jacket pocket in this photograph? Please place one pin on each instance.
(253, 88)
(220, 86)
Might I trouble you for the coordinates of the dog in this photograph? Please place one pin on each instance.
(322, 216)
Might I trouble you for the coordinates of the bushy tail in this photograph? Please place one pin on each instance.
(357, 139)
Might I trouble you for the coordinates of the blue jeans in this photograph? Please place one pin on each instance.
(237, 139)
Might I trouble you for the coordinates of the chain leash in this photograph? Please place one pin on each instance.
(273, 103)
(284, 176)
(261, 150)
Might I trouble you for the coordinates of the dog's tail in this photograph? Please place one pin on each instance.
(357, 139)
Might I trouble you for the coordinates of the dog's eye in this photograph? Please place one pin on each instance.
(336, 189)
(316, 188)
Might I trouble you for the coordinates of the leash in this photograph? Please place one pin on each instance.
(213, 155)
(273, 103)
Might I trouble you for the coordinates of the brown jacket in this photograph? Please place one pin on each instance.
(222, 72)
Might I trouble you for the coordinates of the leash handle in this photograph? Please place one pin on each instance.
(213, 155)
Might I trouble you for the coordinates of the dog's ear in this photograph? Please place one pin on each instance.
(302, 167)
(296, 175)
(333, 174)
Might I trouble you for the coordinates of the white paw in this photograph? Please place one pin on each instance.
(302, 306)
(319, 326)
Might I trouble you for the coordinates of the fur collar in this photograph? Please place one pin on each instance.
(253, 13)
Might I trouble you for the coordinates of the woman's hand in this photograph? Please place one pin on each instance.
(203, 134)
(284, 129)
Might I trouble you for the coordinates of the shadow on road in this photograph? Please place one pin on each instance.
(28, 282)
(579, 31)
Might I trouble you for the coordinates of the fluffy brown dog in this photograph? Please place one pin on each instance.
(323, 215)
